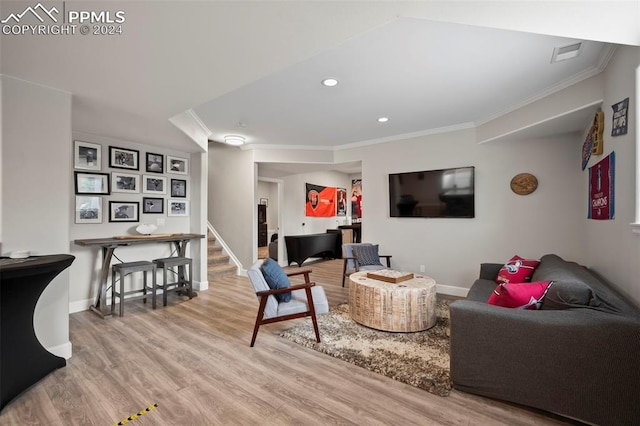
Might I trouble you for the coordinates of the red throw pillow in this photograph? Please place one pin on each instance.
(517, 270)
(522, 296)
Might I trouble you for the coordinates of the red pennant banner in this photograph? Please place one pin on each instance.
(602, 189)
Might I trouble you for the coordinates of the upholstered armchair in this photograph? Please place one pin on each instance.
(285, 301)
(362, 257)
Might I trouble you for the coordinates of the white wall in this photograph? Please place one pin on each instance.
(505, 223)
(232, 208)
(88, 264)
(610, 246)
(36, 189)
(293, 204)
(295, 199)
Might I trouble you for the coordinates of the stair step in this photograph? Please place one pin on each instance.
(220, 271)
(217, 260)
(213, 250)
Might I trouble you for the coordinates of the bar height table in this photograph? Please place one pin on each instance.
(23, 359)
(108, 246)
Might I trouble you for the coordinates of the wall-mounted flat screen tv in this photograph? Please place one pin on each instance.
(433, 193)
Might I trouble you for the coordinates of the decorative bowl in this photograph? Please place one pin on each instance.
(146, 228)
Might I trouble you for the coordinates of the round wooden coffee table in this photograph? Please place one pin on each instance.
(404, 307)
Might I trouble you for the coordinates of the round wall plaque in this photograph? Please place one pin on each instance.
(524, 183)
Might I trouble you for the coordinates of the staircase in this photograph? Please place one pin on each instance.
(218, 265)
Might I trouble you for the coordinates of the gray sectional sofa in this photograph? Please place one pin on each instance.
(579, 356)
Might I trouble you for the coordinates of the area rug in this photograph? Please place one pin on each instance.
(420, 359)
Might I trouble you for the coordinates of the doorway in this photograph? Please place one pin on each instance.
(267, 217)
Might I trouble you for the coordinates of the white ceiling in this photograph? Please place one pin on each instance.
(260, 63)
(422, 75)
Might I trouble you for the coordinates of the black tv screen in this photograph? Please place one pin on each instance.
(433, 193)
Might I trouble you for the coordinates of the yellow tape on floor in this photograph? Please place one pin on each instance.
(135, 416)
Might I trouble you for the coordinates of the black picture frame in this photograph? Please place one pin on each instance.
(151, 205)
(179, 188)
(87, 183)
(123, 158)
(155, 162)
(124, 211)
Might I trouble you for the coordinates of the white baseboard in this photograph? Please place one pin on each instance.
(63, 350)
(200, 285)
(451, 290)
(80, 305)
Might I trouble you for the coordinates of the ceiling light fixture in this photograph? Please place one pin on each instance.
(234, 140)
(383, 119)
(329, 82)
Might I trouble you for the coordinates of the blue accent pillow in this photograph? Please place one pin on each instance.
(275, 277)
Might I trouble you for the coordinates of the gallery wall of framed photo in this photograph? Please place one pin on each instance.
(121, 184)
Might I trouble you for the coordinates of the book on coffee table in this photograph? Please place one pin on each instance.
(390, 276)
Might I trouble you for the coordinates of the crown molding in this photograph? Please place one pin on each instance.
(33, 83)
(264, 146)
(447, 129)
(359, 144)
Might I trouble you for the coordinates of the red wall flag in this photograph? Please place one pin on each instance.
(320, 201)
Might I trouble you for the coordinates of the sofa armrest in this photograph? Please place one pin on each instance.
(578, 362)
(489, 271)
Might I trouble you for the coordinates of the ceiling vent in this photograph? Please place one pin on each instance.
(570, 51)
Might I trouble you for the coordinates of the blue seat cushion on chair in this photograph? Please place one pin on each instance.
(367, 255)
(276, 278)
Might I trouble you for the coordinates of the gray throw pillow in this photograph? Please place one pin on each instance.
(367, 255)
(568, 294)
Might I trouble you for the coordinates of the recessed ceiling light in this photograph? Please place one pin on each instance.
(329, 82)
(234, 140)
(383, 119)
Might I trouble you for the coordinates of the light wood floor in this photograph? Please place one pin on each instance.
(193, 359)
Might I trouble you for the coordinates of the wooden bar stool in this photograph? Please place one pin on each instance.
(183, 281)
(125, 269)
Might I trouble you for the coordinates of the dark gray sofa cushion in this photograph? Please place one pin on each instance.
(481, 290)
(568, 294)
(605, 298)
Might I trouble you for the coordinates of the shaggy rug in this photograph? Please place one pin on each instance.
(420, 359)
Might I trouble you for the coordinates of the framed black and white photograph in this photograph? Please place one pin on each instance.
(122, 158)
(91, 183)
(179, 188)
(87, 156)
(177, 165)
(125, 182)
(152, 205)
(88, 209)
(124, 211)
(154, 184)
(177, 208)
(155, 163)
